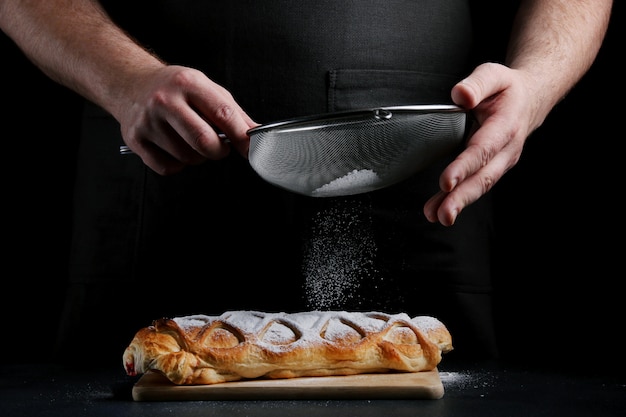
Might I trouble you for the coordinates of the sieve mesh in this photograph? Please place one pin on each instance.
(354, 152)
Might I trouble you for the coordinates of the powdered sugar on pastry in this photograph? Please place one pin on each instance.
(237, 345)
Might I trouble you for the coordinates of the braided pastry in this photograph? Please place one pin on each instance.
(237, 345)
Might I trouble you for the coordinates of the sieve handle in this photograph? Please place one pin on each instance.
(125, 150)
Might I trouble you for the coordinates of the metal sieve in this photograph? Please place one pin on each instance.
(355, 151)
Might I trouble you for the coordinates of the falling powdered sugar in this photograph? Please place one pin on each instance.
(338, 254)
(354, 182)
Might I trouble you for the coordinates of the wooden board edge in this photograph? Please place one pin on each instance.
(153, 386)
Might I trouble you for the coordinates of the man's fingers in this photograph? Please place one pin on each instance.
(445, 206)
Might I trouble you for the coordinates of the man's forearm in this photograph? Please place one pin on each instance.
(76, 44)
(556, 41)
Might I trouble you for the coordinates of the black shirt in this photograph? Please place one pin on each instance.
(146, 246)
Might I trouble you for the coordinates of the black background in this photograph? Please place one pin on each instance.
(559, 217)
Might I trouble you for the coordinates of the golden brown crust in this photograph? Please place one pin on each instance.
(250, 344)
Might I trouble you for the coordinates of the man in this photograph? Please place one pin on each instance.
(193, 229)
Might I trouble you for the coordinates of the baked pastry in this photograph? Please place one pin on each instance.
(237, 345)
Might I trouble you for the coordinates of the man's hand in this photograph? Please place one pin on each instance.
(173, 119)
(504, 109)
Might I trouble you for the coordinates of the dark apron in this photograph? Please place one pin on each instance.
(217, 238)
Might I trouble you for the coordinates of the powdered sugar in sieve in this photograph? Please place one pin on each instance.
(354, 182)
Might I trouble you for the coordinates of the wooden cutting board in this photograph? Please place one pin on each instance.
(153, 386)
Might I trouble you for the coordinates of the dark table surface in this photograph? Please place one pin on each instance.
(482, 389)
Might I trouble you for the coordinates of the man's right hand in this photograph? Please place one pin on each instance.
(172, 117)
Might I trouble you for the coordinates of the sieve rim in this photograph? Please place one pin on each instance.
(325, 119)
